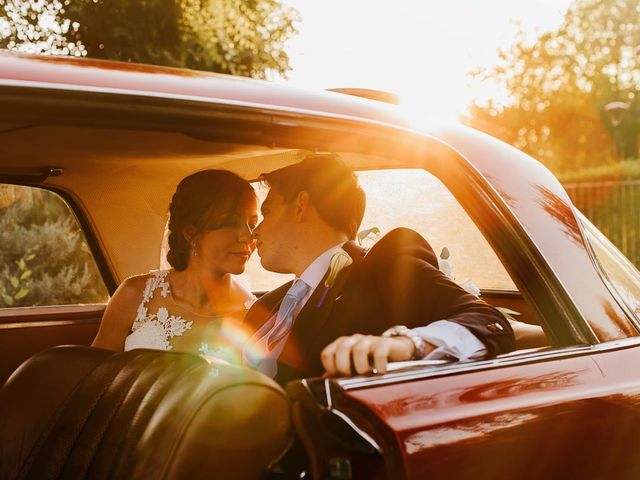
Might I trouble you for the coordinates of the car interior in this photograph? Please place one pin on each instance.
(116, 184)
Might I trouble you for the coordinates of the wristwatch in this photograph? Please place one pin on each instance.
(403, 331)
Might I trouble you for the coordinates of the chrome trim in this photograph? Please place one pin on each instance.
(49, 323)
(364, 435)
(49, 310)
(456, 367)
(616, 344)
(507, 360)
(327, 392)
(395, 366)
(343, 416)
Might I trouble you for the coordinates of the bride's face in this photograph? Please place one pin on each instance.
(228, 248)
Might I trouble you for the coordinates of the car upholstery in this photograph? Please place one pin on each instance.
(81, 412)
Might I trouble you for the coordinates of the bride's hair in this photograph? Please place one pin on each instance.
(201, 202)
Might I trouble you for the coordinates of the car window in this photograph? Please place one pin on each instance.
(622, 274)
(44, 256)
(416, 199)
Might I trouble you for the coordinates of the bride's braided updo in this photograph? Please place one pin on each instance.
(200, 200)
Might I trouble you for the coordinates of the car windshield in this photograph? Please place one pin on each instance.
(622, 274)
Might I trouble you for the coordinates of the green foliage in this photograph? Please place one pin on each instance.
(625, 170)
(559, 83)
(238, 37)
(44, 258)
(39, 27)
(612, 208)
(16, 285)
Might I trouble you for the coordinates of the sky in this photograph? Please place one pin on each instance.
(421, 50)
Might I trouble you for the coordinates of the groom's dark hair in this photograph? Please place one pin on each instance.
(332, 186)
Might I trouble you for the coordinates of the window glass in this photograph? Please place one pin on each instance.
(44, 257)
(418, 200)
(622, 274)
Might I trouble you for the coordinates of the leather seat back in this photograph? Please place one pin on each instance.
(81, 412)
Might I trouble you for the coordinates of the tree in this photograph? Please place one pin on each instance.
(229, 36)
(559, 84)
(37, 26)
(45, 259)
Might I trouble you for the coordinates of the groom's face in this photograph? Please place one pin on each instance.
(276, 235)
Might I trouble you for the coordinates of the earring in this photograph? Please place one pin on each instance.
(194, 252)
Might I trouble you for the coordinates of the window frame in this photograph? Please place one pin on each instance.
(83, 223)
(278, 126)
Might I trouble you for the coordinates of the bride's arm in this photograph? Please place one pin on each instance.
(119, 315)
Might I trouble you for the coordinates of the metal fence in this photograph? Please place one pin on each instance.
(613, 207)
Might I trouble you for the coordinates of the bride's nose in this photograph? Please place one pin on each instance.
(246, 234)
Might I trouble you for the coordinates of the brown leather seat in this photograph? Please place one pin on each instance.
(81, 412)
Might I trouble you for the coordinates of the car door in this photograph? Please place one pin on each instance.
(547, 414)
(51, 292)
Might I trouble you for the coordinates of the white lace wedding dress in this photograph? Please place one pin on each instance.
(156, 326)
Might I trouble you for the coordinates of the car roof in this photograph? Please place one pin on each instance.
(137, 79)
(528, 192)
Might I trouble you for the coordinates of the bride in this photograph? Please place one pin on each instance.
(195, 305)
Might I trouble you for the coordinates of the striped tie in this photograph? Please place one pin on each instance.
(273, 334)
(286, 313)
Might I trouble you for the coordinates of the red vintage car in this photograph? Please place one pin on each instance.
(99, 147)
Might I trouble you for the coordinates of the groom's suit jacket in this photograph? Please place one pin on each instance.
(397, 282)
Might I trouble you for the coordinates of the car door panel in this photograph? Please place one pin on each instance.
(520, 421)
(25, 331)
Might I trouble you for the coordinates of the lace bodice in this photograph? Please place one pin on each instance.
(156, 329)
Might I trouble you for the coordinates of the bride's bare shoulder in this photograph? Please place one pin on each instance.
(137, 284)
(134, 284)
(121, 312)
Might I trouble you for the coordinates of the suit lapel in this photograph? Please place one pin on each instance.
(312, 318)
(315, 314)
(266, 306)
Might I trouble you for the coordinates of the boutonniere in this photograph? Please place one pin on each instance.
(446, 267)
(339, 260)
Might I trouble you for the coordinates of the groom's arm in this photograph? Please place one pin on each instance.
(451, 321)
(362, 353)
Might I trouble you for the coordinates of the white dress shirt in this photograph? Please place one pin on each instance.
(449, 338)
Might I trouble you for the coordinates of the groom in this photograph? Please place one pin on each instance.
(350, 310)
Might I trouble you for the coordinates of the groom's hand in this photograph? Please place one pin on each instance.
(362, 353)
